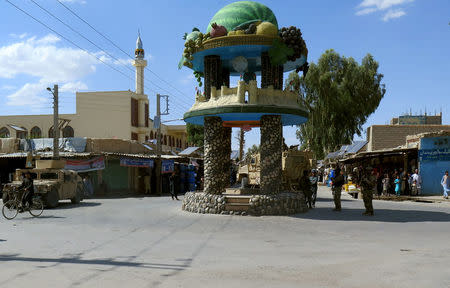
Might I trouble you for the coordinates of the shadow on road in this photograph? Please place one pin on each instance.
(68, 205)
(381, 215)
(78, 260)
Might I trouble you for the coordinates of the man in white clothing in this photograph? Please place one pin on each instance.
(416, 178)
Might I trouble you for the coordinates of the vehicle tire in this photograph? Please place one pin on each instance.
(36, 208)
(78, 197)
(10, 209)
(52, 199)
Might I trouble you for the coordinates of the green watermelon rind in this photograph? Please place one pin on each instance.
(246, 11)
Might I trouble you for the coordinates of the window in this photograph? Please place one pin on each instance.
(134, 112)
(35, 132)
(165, 140)
(146, 115)
(68, 132)
(4, 133)
(134, 136)
(22, 134)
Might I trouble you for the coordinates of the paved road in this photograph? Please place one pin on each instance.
(150, 242)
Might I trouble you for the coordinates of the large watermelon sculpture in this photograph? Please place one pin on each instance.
(241, 14)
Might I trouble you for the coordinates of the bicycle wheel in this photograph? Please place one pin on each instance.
(36, 208)
(10, 209)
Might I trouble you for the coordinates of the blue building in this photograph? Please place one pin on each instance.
(434, 160)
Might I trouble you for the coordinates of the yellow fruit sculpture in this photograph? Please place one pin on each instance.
(267, 29)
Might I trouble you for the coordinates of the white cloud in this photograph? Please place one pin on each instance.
(73, 87)
(392, 14)
(188, 79)
(370, 6)
(46, 63)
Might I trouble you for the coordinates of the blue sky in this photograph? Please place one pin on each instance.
(409, 38)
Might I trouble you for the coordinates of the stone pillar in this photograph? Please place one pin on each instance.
(271, 141)
(226, 146)
(271, 74)
(212, 74)
(213, 159)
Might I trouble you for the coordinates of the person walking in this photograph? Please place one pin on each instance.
(418, 180)
(173, 181)
(385, 182)
(338, 181)
(367, 183)
(313, 179)
(397, 185)
(305, 187)
(445, 182)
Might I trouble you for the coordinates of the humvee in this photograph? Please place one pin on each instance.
(52, 184)
(294, 162)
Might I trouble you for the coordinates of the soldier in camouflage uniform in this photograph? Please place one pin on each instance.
(367, 183)
(338, 181)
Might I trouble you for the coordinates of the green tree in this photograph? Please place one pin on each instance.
(251, 151)
(340, 94)
(195, 134)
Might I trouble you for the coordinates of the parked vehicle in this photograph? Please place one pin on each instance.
(51, 184)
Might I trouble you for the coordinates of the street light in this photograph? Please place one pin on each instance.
(55, 121)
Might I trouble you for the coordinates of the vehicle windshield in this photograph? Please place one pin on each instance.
(49, 175)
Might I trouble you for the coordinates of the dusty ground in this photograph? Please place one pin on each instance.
(150, 242)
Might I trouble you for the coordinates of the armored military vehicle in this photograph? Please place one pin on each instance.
(52, 184)
(294, 162)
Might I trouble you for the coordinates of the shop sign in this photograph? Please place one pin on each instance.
(167, 166)
(132, 162)
(97, 163)
(429, 155)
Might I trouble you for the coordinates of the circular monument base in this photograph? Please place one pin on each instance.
(284, 203)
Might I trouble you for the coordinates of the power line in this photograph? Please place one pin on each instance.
(124, 52)
(65, 38)
(87, 39)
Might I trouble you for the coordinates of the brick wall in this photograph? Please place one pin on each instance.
(391, 136)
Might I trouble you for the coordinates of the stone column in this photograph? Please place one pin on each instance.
(212, 74)
(271, 141)
(213, 159)
(226, 146)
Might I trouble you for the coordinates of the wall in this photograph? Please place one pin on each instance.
(115, 175)
(434, 160)
(391, 136)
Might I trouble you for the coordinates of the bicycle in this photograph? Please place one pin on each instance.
(11, 207)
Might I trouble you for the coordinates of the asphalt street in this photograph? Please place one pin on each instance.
(150, 242)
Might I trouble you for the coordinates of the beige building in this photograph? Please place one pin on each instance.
(103, 114)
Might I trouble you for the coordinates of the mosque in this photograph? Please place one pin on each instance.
(102, 114)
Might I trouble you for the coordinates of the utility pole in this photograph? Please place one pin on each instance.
(158, 164)
(55, 121)
(241, 144)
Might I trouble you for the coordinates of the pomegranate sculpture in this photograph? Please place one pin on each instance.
(218, 30)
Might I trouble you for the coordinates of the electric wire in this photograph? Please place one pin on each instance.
(124, 52)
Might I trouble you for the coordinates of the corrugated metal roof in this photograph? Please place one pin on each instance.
(356, 146)
(17, 128)
(46, 154)
(188, 151)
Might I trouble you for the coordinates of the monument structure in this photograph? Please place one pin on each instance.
(243, 39)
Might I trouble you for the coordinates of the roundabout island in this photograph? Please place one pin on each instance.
(243, 39)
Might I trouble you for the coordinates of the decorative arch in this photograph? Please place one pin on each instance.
(35, 132)
(68, 132)
(4, 132)
(50, 132)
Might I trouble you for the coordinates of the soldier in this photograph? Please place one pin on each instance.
(338, 181)
(367, 183)
(305, 187)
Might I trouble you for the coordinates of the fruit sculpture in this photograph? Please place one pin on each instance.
(247, 19)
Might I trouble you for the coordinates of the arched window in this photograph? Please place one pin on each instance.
(35, 132)
(68, 132)
(22, 134)
(50, 132)
(4, 132)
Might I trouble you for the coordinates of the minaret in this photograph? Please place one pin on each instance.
(140, 64)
